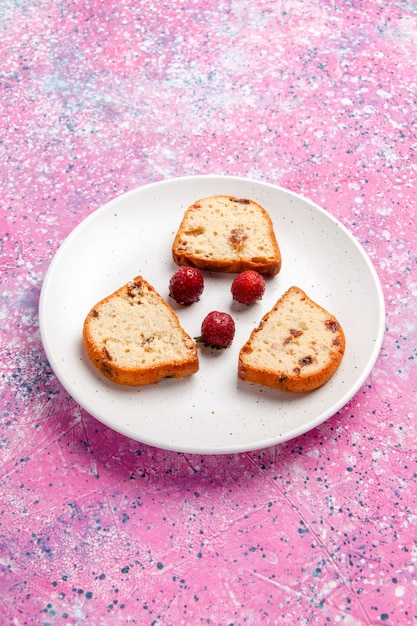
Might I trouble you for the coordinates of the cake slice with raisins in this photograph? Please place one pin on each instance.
(227, 234)
(297, 346)
(135, 338)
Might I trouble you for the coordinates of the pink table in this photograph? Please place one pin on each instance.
(98, 98)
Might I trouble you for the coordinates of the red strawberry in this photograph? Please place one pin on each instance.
(248, 287)
(217, 330)
(186, 285)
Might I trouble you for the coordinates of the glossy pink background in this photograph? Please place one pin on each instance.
(98, 98)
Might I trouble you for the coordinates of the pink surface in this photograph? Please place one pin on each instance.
(98, 98)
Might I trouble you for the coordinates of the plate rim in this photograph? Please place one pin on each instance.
(231, 449)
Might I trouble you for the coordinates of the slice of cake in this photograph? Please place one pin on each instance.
(227, 234)
(134, 337)
(298, 345)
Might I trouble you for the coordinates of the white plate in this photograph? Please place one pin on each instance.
(211, 411)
